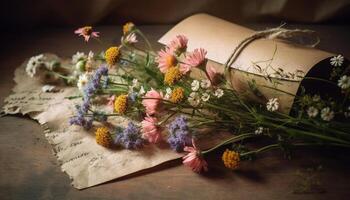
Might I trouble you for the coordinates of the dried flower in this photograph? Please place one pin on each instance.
(196, 58)
(214, 76)
(205, 84)
(128, 27)
(179, 44)
(78, 56)
(129, 39)
(344, 82)
(337, 61)
(172, 75)
(82, 81)
(327, 114)
(152, 101)
(218, 93)
(205, 97)
(150, 130)
(112, 55)
(165, 60)
(194, 99)
(312, 111)
(177, 95)
(194, 159)
(103, 137)
(121, 103)
(86, 32)
(231, 159)
(179, 135)
(272, 105)
(195, 85)
(130, 137)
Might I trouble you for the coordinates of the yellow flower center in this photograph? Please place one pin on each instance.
(103, 137)
(87, 30)
(177, 95)
(112, 55)
(128, 27)
(170, 60)
(121, 103)
(231, 159)
(172, 75)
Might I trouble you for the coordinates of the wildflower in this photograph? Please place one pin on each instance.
(103, 137)
(132, 96)
(112, 55)
(142, 91)
(111, 100)
(312, 111)
(205, 97)
(86, 32)
(344, 82)
(327, 114)
(218, 93)
(89, 62)
(179, 44)
(135, 83)
(212, 74)
(128, 27)
(337, 61)
(259, 130)
(195, 85)
(194, 59)
(172, 75)
(121, 103)
(194, 99)
(272, 105)
(130, 137)
(94, 82)
(205, 84)
(194, 159)
(78, 56)
(150, 130)
(48, 88)
(177, 95)
(168, 92)
(80, 120)
(231, 159)
(151, 101)
(82, 81)
(179, 135)
(129, 39)
(80, 65)
(34, 63)
(165, 60)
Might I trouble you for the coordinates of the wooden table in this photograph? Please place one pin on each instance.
(28, 169)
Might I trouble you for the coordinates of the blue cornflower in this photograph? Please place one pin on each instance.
(179, 135)
(130, 137)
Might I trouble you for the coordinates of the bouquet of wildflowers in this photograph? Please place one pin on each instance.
(166, 103)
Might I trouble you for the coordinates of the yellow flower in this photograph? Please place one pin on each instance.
(87, 30)
(103, 137)
(177, 95)
(112, 55)
(231, 159)
(128, 27)
(172, 75)
(121, 103)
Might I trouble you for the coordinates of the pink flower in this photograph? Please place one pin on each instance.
(150, 130)
(194, 160)
(86, 32)
(151, 101)
(212, 74)
(111, 100)
(165, 59)
(129, 39)
(179, 44)
(194, 59)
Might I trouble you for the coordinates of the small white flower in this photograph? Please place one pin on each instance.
(344, 82)
(337, 60)
(205, 97)
(259, 130)
(195, 85)
(316, 98)
(312, 111)
(272, 104)
(168, 92)
(82, 81)
(135, 83)
(78, 56)
(129, 39)
(142, 91)
(194, 99)
(34, 63)
(48, 88)
(205, 84)
(218, 93)
(327, 114)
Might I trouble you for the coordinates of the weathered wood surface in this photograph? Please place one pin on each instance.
(28, 170)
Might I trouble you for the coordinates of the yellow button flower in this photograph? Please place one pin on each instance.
(231, 159)
(120, 104)
(112, 55)
(177, 95)
(103, 137)
(172, 75)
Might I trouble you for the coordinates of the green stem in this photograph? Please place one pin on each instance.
(231, 140)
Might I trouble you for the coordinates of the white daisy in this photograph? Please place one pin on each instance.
(218, 93)
(259, 130)
(168, 92)
(272, 104)
(337, 60)
(195, 85)
(205, 84)
(312, 111)
(82, 81)
(344, 82)
(205, 97)
(327, 114)
(194, 99)
(78, 56)
(34, 63)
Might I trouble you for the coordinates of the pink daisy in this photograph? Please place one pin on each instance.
(212, 74)
(86, 32)
(179, 44)
(165, 59)
(150, 130)
(129, 39)
(193, 159)
(151, 101)
(194, 59)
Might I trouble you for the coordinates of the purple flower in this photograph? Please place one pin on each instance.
(130, 137)
(81, 120)
(179, 135)
(132, 96)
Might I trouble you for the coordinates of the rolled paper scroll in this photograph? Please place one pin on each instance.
(265, 68)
